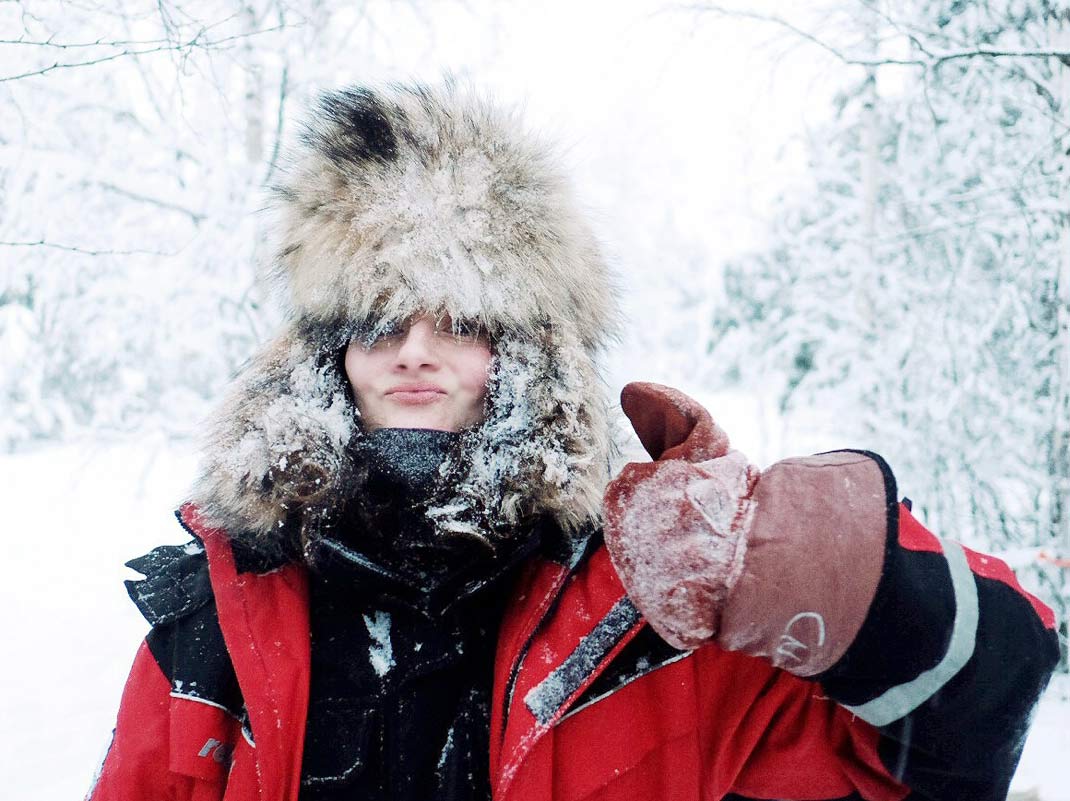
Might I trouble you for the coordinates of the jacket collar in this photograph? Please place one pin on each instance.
(433, 594)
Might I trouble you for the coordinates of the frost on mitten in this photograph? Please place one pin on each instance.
(676, 533)
(781, 564)
(676, 528)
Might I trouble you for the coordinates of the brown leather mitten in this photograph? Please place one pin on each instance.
(781, 564)
(676, 528)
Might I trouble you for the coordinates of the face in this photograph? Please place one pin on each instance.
(427, 373)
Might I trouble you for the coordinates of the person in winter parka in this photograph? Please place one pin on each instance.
(411, 576)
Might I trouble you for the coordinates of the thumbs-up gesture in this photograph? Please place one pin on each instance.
(780, 564)
(676, 528)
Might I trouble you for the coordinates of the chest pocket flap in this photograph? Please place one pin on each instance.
(339, 745)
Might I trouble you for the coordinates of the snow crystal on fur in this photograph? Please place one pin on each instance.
(542, 447)
(381, 651)
(282, 435)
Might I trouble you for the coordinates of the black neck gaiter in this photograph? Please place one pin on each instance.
(384, 545)
(405, 460)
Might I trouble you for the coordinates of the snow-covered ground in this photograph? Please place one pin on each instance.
(1044, 765)
(72, 516)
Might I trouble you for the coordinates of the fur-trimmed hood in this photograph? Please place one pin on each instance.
(395, 202)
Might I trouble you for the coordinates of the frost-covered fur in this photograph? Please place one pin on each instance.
(402, 201)
(279, 441)
(415, 198)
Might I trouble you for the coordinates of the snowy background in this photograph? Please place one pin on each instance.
(847, 227)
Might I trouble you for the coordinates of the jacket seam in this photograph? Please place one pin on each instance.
(591, 702)
(198, 700)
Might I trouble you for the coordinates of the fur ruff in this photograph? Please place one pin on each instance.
(399, 202)
(418, 199)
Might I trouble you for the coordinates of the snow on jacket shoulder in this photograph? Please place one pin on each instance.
(931, 700)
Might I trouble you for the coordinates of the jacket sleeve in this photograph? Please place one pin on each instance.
(177, 715)
(136, 765)
(948, 664)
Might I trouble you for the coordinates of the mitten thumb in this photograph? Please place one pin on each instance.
(672, 425)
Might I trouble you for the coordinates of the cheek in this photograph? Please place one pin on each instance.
(358, 370)
(472, 372)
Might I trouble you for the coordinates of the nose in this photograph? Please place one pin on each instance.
(418, 347)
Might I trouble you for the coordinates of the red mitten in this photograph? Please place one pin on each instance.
(780, 564)
(676, 528)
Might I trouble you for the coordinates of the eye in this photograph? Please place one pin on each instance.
(464, 329)
(382, 333)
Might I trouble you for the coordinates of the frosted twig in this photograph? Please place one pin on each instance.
(73, 45)
(182, 47)
(101, 42)
(196, 217)
(41, 243)
(284, 88)
(930, 60)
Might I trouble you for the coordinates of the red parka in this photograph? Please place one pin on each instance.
(589, 704)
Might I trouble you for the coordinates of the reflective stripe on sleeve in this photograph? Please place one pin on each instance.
(903, 699)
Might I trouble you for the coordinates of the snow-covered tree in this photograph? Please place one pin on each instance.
(915, 292)
(136, 138)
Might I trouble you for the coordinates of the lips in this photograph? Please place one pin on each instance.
(416, 388)
(415, 394)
